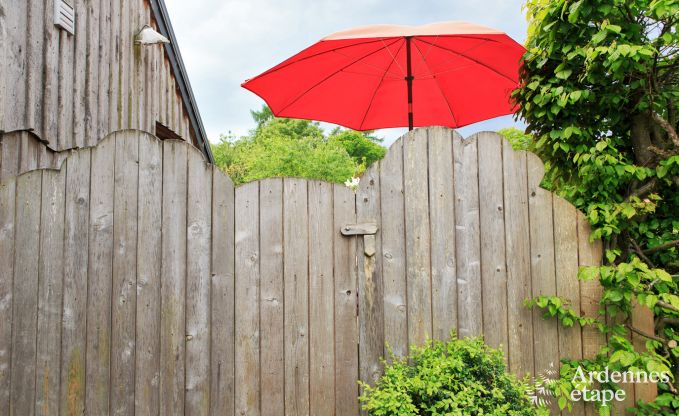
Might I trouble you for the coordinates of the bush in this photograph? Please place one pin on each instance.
(460, 377)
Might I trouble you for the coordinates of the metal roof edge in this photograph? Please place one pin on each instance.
(172, 50)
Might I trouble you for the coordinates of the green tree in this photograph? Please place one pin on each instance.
(600, 94)
(293, 147)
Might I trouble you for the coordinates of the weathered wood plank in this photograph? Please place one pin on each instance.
(222, 295)
(247, 300)
(9, 155)
(124, 283)
(105, 57)
(92, 75)
(66, 80)
(198, 256)
(173, 272)
(79, 70)
(149, 223)
(74, 330)
(28, 151)
(50, 292)
(370, 291)
(567, 285)
(50, 87)
(442, 219)
(346, 284)
(321, 294)
(467, 243)
(642, 318)
(7, 221)
(517, 240)
(115, 77)
(15, 65)
(272, 350)
(589, 254)
(99, 288)
(25, 295)
(125, 69)
(542, 270)
(492, 221)
(296, 259)
(418, 239)
(393, 251)
(35, 65)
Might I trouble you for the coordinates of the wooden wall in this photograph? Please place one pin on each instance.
(73, 90)
(136, 280)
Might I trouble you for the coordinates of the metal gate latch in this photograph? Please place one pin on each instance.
(367, 230)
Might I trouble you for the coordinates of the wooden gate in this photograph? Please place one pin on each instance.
(137, 280)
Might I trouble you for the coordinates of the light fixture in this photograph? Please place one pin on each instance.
(148, 36)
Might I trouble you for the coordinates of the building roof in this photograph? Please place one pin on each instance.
(175, 57)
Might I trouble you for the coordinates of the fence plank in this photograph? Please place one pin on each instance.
(418, 242)
(493, 260)
(247, 300)
(198, 256)
(346, 284)
(467, 243)
(149, 223)
(296, 258)
(7, 230)
(124, 284)
(370, 291)
(321, 319)
(222, 295)
(543, 272)
(74, 331)
(51, 267)
(99, 289)
(442, 219)
(271, 307)
(517, 238)
(79, 69)
(115, 78)
(35, 64)
(393, 251)
(91, 91)
(173, 272)
(25, 295)
(567, 286)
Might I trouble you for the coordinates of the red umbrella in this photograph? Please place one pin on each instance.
(450, 74)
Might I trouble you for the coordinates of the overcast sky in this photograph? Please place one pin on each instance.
(224, 42)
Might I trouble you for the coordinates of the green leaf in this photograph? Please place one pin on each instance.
(564, 73)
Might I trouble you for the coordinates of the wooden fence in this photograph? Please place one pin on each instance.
(137, 280)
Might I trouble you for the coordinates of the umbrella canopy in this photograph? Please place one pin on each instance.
(449, 74)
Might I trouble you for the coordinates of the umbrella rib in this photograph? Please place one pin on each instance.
(330, 76)
(452, 59)
(370, 104)
(277, 68)
(471, 59)
(445, 98)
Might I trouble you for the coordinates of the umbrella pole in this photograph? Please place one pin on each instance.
(409, 80)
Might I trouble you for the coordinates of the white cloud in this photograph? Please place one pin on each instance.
(225, 42)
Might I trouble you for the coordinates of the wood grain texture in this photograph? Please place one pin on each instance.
(321, 294)
(346, 286)
(517, 240)
(173, 272)
(222, 295)
(492, 238)
(50, 292)
(296, 278)
(467, 243)
(442, 224)
(25, 295)
(272, 383)
(149, 254)
(7, 231)
(418, 237)
(393, 251)
(247, 365)
(74, 326)
(198, 256)
(125, 272)
(370, 289)
(100, 279)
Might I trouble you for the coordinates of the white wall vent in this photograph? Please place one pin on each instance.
(64, 16)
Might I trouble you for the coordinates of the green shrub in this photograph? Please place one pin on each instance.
(460, 377)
